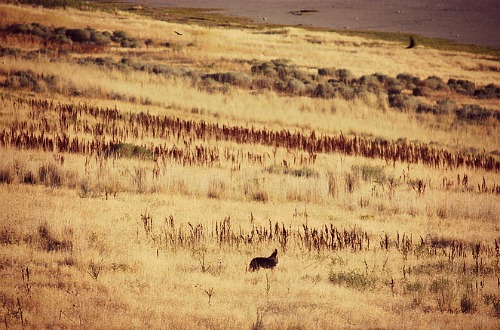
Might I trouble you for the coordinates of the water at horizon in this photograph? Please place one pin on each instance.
(464, 21)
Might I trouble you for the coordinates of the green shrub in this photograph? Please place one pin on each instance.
(370, 173)
(403, 102)
(303, 172)
(353, 279)
(53, 3)
(324, 90)
(346, 92)
(296, 87)
(372, 82)
(460, 86)
(128, 150)
(434, 83)
(345, 76)
(444, 291)
(475, 113)
(445, 106)
(233, 78)
(407, 80)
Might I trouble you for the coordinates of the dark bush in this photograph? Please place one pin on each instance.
(50, 175)
(490, 91)
(421, 91)
(78, 35)
(407, 80)
(52, 3)
(129, 43)
(475, 113)
(403, 102)
(345, 76)
(29, 178)
(128, 150)
(20, 28)
(296, 87)
(59, 38)
(460, 86)
(22, 79)
(442, 107)
(324, 90)
(9, 51)
(100, 38)
(394, 90)
(446, 106)
(119, 35)
(263, 83)
(49, 243)
(105, 61)
(327, 72)
(426, 108)
(467, 304)
(434, 83)
(346, 92)
(372, 82)
(265, 69)
(6, 176)
(233, 78)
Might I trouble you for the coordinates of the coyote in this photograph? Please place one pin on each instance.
(259, 262)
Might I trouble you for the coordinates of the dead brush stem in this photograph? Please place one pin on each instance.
(21, 135)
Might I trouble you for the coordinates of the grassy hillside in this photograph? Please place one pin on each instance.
(145, 162)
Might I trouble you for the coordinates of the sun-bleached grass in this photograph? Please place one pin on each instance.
(179, 96)
(150, 286)
(93, 261)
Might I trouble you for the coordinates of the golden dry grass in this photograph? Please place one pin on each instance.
(92, 260)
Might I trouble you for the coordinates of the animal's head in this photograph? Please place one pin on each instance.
(275, 254)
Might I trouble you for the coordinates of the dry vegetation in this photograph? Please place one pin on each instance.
(141, 170)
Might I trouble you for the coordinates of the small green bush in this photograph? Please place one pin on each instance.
(403, 102)
(370, 173)
(434, 83)
(408, 81)
(233, 78)
(460, 86)
(475, 114)
(353, 279)
(444, 291)
(296, 87)
(324, 90)
(128, 150)
(372, 82)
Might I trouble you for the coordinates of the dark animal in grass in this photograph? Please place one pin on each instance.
(262, 262)
(412, 44)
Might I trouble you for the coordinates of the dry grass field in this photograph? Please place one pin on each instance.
(144, 163)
